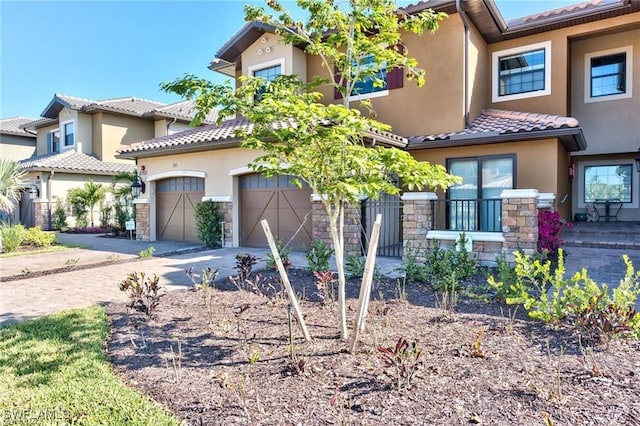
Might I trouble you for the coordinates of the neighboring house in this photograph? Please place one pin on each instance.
(77, 140)
(541, 110)
(15, 142)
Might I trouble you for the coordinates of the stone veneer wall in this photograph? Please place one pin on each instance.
(352, 231)
(42, 215)
(226, 208)
(143, 230)
(519, 225)
(520, 220)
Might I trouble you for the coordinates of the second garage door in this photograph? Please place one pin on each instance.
(176, 200)
(286, 207)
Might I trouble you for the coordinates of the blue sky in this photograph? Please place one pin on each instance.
(109, 49)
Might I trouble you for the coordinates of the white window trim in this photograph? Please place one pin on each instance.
(634, 181)
(495, 71)
(369, 95)
(587, 74)
(257, 67)
(63, 139)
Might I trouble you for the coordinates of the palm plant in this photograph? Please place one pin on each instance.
(87, 197)
(123, 195)
(11, 183)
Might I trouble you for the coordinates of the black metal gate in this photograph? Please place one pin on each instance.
(390, 241)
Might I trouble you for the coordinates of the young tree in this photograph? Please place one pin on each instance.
(327, 145)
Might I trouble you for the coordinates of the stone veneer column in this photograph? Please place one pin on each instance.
(416, 219)
(352, 226)
(143, 228)
(42, 215)
(226, 208)
(520, 220)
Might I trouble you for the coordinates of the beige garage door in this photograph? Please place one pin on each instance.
(286, 207)
(176, 199)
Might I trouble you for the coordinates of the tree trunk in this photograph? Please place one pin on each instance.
(336, 222)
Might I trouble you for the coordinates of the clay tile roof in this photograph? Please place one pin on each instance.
(224, 133)
(130, 105)
(184, 110)
(74, 162)
(558, 12)
(494, 122)
(74, 102)
(13, 126)
(208, 134)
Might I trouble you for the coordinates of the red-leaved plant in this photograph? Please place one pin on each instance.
(549, 227)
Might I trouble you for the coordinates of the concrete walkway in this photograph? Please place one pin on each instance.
(36, 296)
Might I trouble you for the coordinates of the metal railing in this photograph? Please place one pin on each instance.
(390, 239)
(467, 215)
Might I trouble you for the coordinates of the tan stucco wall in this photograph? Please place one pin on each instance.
(438, 105)
(42, 138)
(557, 101)
(609, 126)
(17, 148)
(118, 131)
(479, 92)
(215, 164)
(96, 132)
(84, 133)
(293, 58)
(536, 161)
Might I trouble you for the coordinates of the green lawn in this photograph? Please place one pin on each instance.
(53, 371)
(50, 249)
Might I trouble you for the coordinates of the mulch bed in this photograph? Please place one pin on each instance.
(480, 362)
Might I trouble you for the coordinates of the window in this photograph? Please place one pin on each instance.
(53, 141)
(608, 182)
(475, 203)
(371, 83)
(68, 134)
(522, 72)
(608, 74)
(267, 71)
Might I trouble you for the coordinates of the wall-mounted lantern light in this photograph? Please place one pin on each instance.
(137, 187)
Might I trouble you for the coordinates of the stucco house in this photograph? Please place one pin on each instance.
(76, 141)
(537, 112)
(15, 142)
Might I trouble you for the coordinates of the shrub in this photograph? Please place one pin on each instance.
(549, 227)
(208, 219)
(59, 216)
(39, 238)
(244, 265)
(441, 265)
(548, 296)
(319, 255)
(142, 292)
(283, 251)
(412, 269)
(146, 253)
(354, 266)
(121, 215)
(403, 358)
(12, 237)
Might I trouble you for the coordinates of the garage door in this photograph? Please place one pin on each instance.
(176, 199)
(286, 207)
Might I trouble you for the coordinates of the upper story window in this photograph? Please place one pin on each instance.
(53, 141)
(69, 134)
(268, 71)
(371, 83)
(608, 74)
(521, 72)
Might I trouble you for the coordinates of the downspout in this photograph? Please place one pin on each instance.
(465, 22)
(168, 126)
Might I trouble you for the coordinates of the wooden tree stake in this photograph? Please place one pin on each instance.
(365, 288)
(285, 279)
